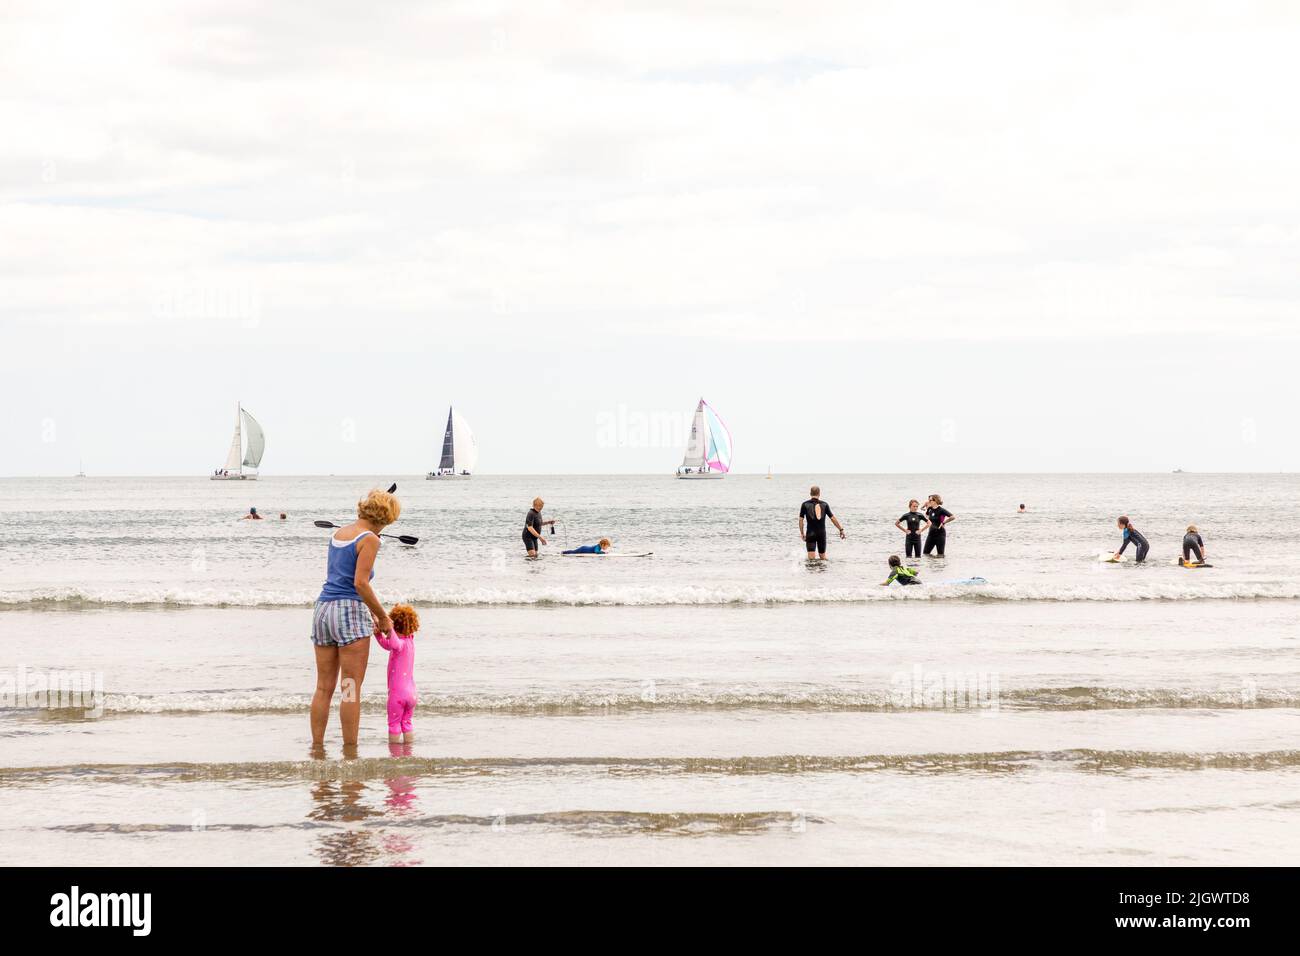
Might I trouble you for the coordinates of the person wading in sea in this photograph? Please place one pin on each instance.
(533, 524)
(812, 524)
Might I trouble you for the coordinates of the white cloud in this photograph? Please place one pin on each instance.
(480, 175)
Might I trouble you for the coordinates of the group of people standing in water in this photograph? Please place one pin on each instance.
(934, 521)
(348, 612)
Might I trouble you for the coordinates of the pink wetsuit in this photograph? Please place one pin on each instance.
(401, 680)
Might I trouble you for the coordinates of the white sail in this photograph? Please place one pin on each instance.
(464, 447)
(256, 441)
(698, 444)
(236, 453)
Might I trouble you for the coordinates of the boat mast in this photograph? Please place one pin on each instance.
(239, 436)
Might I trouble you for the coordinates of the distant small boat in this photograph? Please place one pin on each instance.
(709, 451)
(459, 449)
(769, 472)
(81, 469)
(1179, 471)
(243, 456)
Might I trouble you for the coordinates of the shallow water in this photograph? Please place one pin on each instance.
(720, 702)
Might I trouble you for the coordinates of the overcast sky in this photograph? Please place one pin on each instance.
(877, 237)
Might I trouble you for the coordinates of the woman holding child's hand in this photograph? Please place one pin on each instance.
(347, 613)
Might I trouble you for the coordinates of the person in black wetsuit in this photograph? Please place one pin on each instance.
(1132, 534)
(940, 517)
(916, 523)
(1193, 543)
(533, 525)
(812, 524)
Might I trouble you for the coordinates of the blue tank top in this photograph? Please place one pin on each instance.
(341, 571)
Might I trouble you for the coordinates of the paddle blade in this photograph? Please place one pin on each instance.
(325, 524)
(392, 488)
(408, 539)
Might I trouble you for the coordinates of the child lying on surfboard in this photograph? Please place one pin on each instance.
(600, 547)
(900, 572)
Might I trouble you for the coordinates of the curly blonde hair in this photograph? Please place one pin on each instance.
(405, 621)
(379, 507)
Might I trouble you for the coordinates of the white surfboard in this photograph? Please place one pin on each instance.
(612, 554)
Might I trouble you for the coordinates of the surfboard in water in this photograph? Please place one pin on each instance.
(618, 554)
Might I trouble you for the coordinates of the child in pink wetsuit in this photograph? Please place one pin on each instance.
(400, 644)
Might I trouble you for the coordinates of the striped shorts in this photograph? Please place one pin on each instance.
(340, 623)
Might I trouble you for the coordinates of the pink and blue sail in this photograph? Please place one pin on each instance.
(719, 448)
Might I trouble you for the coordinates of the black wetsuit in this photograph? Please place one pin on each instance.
(1192, 544)
(532, 520)
(937, 536)
(913, 521)
(814, 527)
(1133, 534)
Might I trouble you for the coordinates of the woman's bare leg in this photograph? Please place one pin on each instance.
(327, 676)
(352, 665)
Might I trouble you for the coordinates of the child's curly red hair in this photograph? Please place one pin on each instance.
(405, 621)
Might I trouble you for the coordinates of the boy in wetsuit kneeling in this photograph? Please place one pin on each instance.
(900, 572)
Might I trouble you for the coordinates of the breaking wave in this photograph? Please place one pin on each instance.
(670, 595)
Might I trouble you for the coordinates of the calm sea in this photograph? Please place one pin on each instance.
(718, 702)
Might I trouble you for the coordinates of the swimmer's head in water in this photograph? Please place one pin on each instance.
(252, 511)
(379, 508)
(405, 621)
(605, 543)
(283, 516)
(538, 503)
(895, 561)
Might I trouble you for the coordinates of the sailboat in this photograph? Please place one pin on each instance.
(459, 449)
(241, 457)
(708, 453)
(81, 469)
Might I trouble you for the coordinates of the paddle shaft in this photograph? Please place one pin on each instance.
(404, 538)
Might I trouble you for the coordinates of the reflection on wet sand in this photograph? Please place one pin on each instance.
(349, 816)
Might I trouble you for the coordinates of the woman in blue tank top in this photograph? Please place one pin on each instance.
(347, 613)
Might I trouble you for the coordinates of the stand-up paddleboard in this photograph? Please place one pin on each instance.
(611, 554)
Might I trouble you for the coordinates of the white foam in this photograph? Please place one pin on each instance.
(649, 596)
